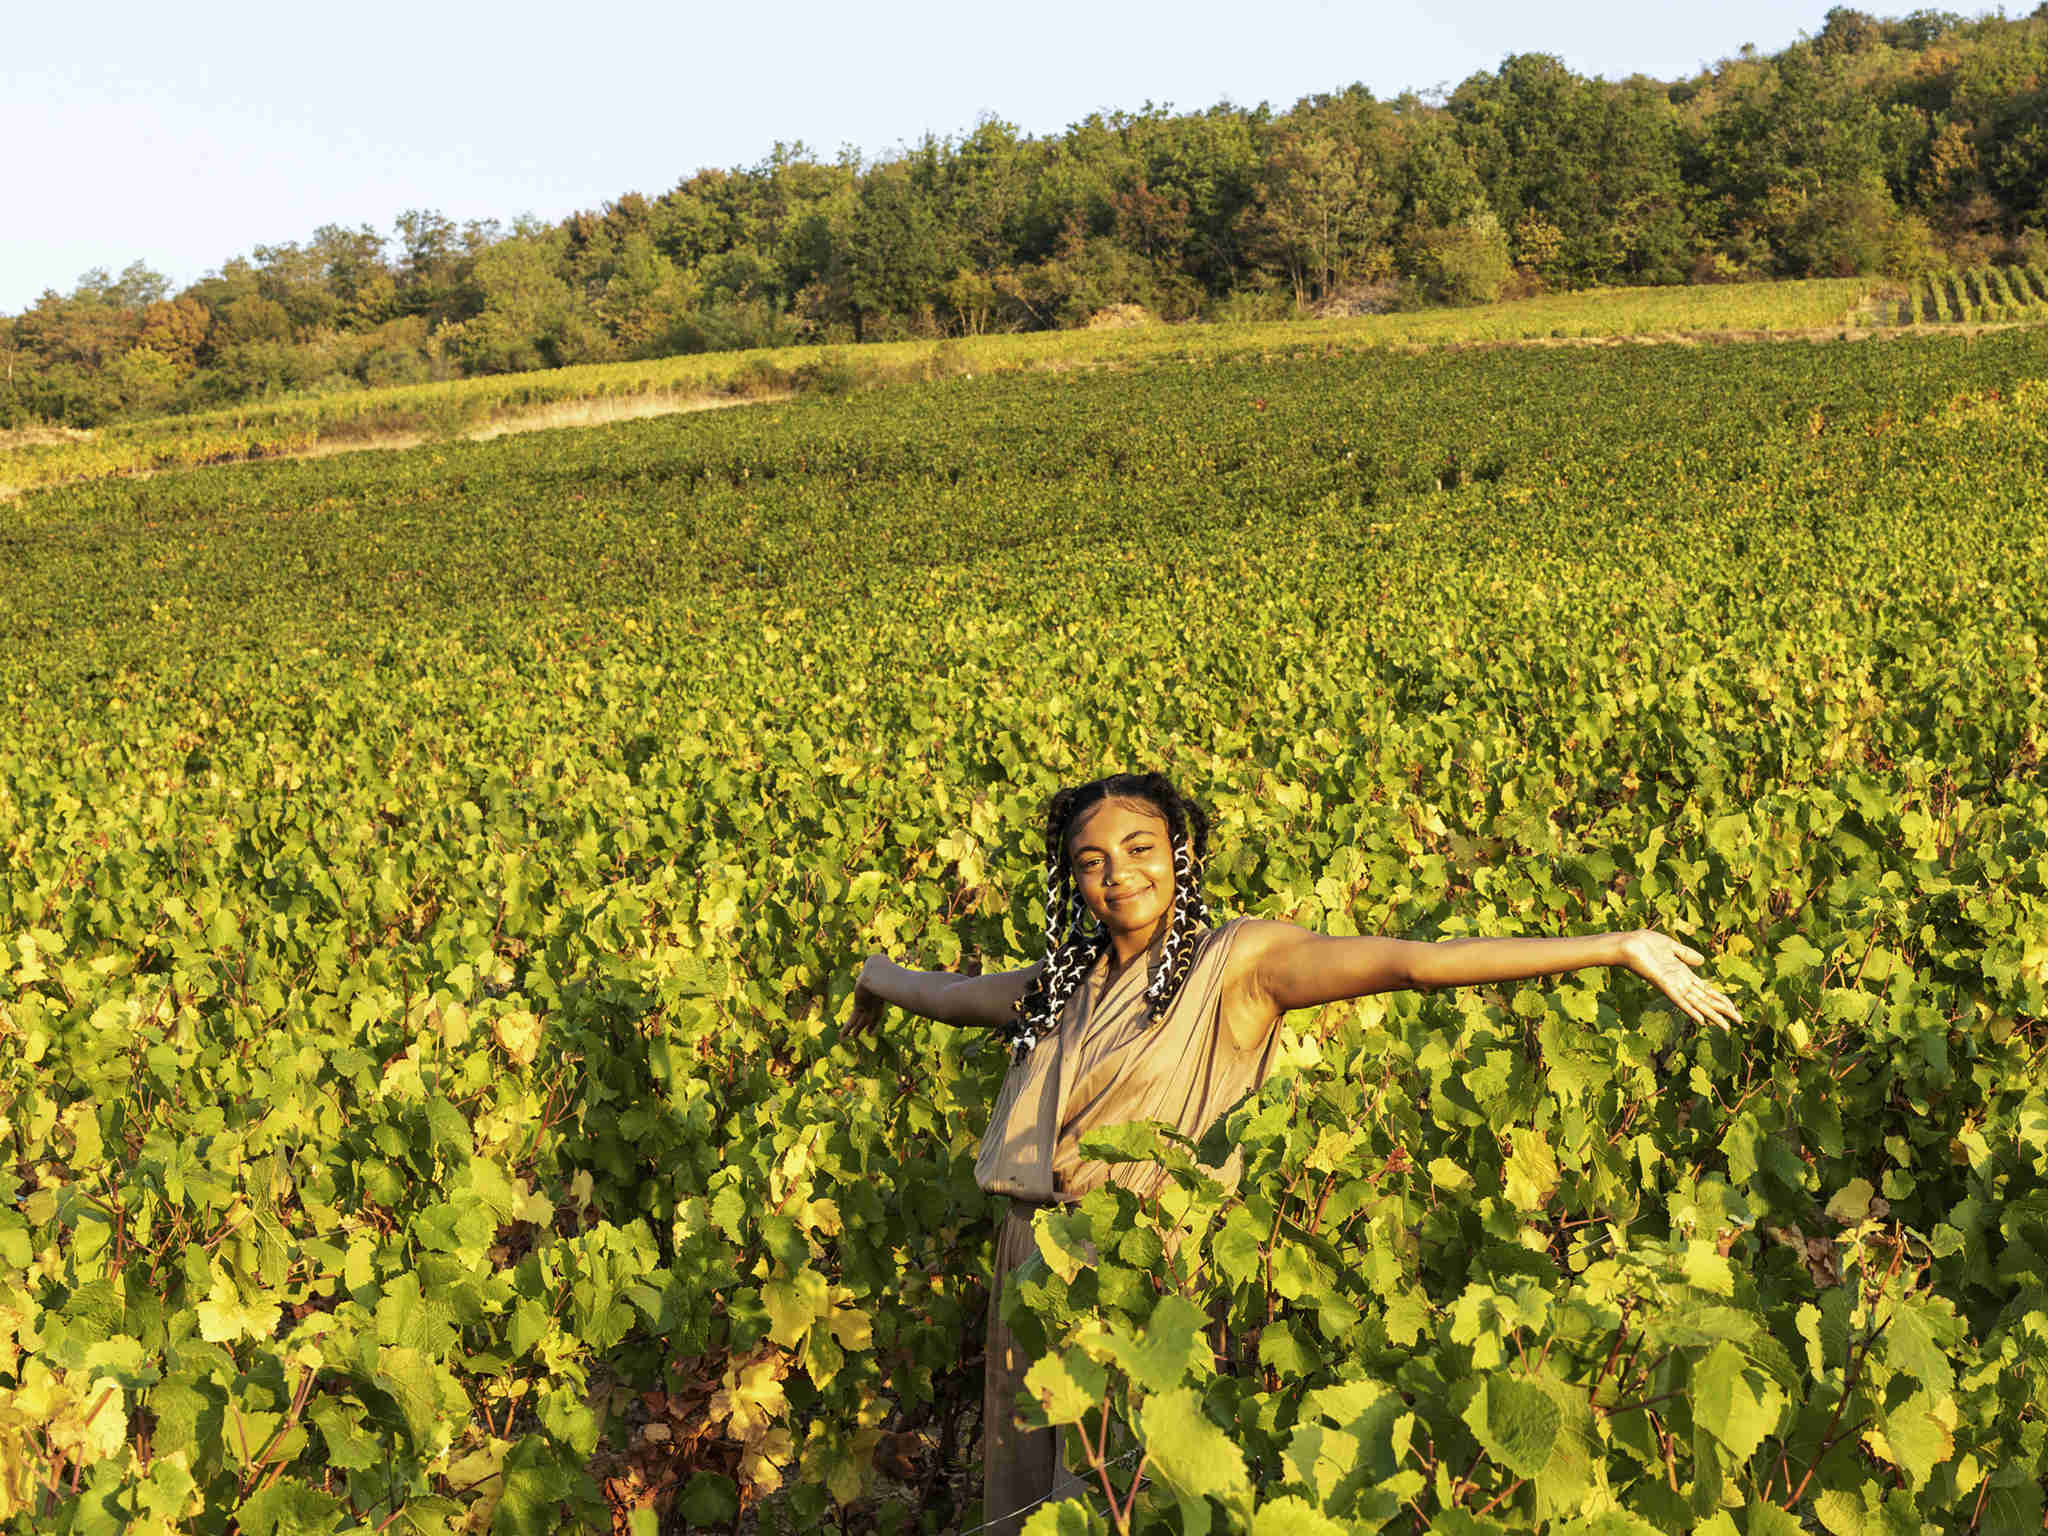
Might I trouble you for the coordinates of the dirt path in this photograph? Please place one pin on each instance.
(596, 412)
(41, 437)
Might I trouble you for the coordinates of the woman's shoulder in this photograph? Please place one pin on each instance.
(1237, 944)
(1250, 941)
(1245, 937)
(1220, 937)
(1234, 950)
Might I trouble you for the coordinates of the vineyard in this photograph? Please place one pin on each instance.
(431, 885)
(1979, 295)
(323, 423)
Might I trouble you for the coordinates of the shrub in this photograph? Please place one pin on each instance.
(758, 376)
(831, 372)
(1466, 261)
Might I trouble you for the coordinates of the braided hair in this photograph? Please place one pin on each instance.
(1073, 943)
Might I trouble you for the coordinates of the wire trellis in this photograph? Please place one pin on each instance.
(1092, 1491)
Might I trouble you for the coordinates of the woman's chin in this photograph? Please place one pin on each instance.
(1133, 918)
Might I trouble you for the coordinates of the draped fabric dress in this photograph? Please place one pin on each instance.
(1107, 1064)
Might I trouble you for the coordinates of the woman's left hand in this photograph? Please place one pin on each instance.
(868, 1004)
(1668, 966)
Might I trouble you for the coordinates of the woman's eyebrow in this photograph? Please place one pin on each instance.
(1081, 848)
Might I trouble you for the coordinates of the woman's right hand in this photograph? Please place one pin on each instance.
(868, 1004)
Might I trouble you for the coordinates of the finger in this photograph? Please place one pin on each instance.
(1689, 956)
(1706, 1002)
(1720, 1006)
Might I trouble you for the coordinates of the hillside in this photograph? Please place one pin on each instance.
(316, 425)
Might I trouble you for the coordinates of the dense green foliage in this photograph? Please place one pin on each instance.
(432, 884)
(1871, 146)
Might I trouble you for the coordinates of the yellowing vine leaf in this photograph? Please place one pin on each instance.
(225, 1316)
(752, 1397)
(518, 1035)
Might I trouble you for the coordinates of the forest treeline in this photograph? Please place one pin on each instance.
(1873, 146)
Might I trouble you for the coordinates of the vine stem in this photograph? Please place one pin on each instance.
(1664, 1443)
(1123, 1518)
(1829, 1439)
(1098, 1453)
(1983, 1493)
(1641, 1402)
(1613, 1350)
(1500, 1498)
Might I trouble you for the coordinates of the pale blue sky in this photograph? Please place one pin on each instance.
(184, 135)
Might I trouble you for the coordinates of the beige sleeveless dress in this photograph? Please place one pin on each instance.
(1108, 1064)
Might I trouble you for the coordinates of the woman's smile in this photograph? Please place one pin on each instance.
(1122, 857)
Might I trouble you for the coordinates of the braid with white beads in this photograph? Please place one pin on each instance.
(1073, 942)
(1190, 919)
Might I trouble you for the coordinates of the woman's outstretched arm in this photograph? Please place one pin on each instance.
(1288, 967)
(983, 1002)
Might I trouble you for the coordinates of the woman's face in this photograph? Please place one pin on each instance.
(1123, 862)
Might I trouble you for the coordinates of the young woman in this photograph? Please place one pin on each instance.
(1142, 1009)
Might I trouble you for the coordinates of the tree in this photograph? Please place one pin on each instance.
(987, 187)
(1952, 176)
(527, 310)
(295, 279)
(87, 330)
(136, 288)
(1836, 231)
(1209, 163)
(16, 373)
(1319, 216)
(1844, 31)
(143, 382)
(1085, 275)
(364, 289)
(252, 318)
(1151, 224)
(1433, 174)
(1596, 162)
(644, 297)
(898, 253)
(1466, 261)
(433, 268)
(176, 330)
